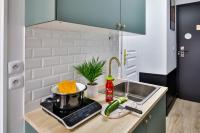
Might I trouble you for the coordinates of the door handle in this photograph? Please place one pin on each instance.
(182, 51)
(185, 51)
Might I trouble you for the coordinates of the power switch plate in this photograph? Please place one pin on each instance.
(15, 67)
(16, 82)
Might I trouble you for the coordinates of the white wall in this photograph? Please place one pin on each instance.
(16, 39)
(179, 2)
(3, 68)
(156, 53)
(171, 44)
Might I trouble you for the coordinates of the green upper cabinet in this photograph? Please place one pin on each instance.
(112, 14)
(39, 11)
(125, 15)
(133, 16)
(99, 13)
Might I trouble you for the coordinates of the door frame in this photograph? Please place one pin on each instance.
(3, 66)
(178, 46)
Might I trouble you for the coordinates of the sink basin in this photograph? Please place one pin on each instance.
(135, 91)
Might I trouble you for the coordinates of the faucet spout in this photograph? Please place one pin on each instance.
(110, 64)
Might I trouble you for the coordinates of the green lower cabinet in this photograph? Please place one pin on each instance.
(141, 128)
(155, 122)
(29, 128)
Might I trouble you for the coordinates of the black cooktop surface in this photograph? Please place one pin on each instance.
(72, 118)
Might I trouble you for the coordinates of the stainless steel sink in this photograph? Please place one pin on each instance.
(135, 91)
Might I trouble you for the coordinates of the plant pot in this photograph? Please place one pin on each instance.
(92, 91)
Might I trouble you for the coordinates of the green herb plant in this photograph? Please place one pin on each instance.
(91, 70)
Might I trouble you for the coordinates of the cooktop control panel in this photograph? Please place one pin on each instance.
(82, 114)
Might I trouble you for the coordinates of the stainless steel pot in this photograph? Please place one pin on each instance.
(68, 101)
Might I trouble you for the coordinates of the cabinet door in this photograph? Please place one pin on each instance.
(39, 11)
(99, 13)
(133, 13)
(29, 128)
(157, 123)
(142, 128)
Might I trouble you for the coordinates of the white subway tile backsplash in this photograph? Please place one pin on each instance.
(71, 35)
(39, 93)
(32, 105)
(33, 84)
(71, 67)
(43, 34)
(58, 34)
(59, 51)
(33, 43)
(52, 54)
(28, 97)
(60, 69)
(29, 33)
(80, 58)
(67, 76)
(49, 61)
(85, 50)
(51, 81)
(41, 73)
(81, 43)
(33, 63)
(66, 59)
(28, 53)
(75, 50)
(66, 43)
(28, 75)
(50, 43)
(41, 52)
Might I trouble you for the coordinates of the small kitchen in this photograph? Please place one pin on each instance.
(84, 62)
(80, 74)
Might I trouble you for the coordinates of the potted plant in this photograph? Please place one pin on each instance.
(91, 70)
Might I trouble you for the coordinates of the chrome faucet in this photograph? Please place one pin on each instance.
(110, 64)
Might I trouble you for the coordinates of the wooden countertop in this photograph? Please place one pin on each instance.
(44, 123)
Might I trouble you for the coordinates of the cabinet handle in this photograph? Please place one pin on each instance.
(146, 121)
(150, 117)
(118, 26)
(123, 26)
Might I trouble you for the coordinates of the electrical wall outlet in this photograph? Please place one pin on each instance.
(15, 67)
(16, 82)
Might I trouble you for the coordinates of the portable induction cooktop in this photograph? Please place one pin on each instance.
(72, 118)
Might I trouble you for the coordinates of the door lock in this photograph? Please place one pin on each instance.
(182, 52)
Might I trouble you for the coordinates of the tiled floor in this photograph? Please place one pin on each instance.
(184, 117)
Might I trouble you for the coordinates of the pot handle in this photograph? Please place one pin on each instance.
(52, 100)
